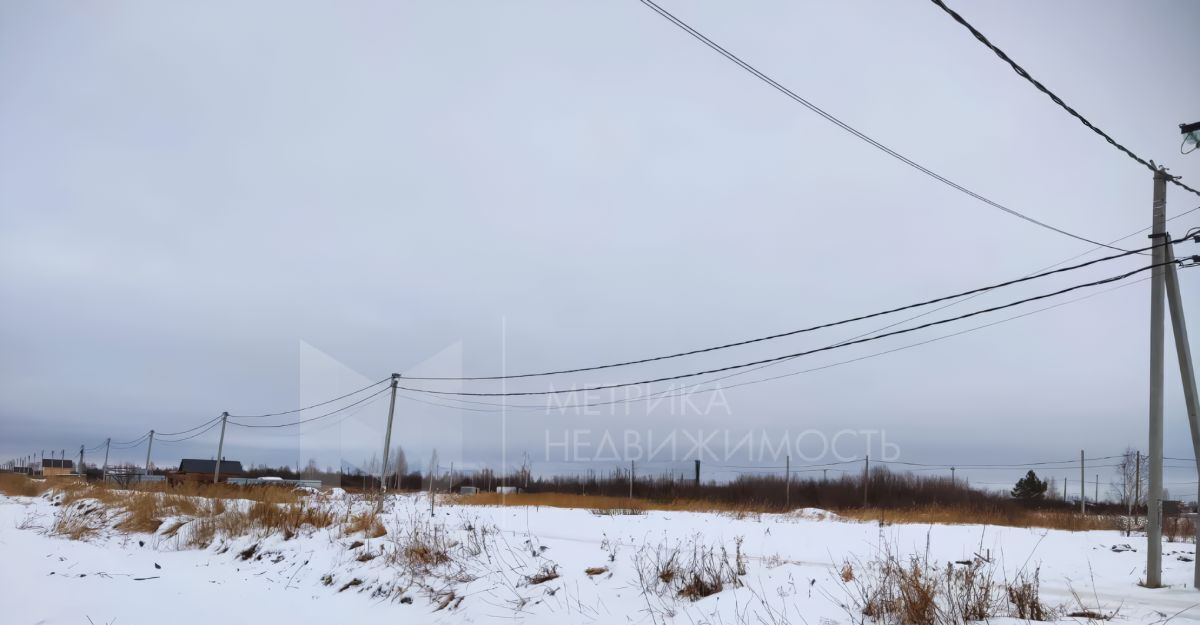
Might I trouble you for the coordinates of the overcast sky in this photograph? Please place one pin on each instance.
(248, 206)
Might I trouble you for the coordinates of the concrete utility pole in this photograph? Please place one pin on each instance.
(81, 472)
(387, 436)
(220, 449)
(1157, 297)
(104, 471)
(952, 476)
(148, 448)
(1187, 371)
(1096, 492)
(1082, 486)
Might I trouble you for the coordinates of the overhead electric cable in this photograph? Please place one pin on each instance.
(322, 416)
(780, 335)
(850, 129)
(324, 403)
(1023, 73)
(694, 389)
(210, 426)
(802, 353)
(133, 442)
(210, 421)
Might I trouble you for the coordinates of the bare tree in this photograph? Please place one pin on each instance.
(401, 465)
(1130, 482)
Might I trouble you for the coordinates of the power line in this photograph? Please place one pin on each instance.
(1023, 73)
(328, 414)
(822, 326)
(850, 129)
(674, 392)
(212, 424)
(324, 403)
(133, 443)
(210, 421)
(1024, 465)
(1066, 260)
(669, 392)
(806, 352)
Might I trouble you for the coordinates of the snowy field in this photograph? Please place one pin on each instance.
(500, 563)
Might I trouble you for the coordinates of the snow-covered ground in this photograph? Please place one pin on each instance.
(791, 569)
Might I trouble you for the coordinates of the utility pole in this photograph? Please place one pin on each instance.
(104, 471)
(824, 475)
(1157, 297)
(1187, 371)
(148, 448)
(433, 468)
(387, 435)
(630, 483)
(952, 476)
(1096, 492)
(220, 449)
(697, 473)
(787, 485)
(1082, 486)
(866, 479)
(1066, 480)
(1137, 486)
(81, 471)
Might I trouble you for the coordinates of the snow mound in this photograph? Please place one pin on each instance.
(815, 514)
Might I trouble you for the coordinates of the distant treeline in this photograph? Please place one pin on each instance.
(886, 489)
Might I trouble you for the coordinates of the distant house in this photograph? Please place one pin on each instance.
(54, 467)
(199, 470)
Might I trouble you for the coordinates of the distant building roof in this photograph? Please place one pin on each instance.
(57, 463)
(193, 465)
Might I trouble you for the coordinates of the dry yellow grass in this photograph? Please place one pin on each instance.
(17, 485)
(368, 523)
(212, 508)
